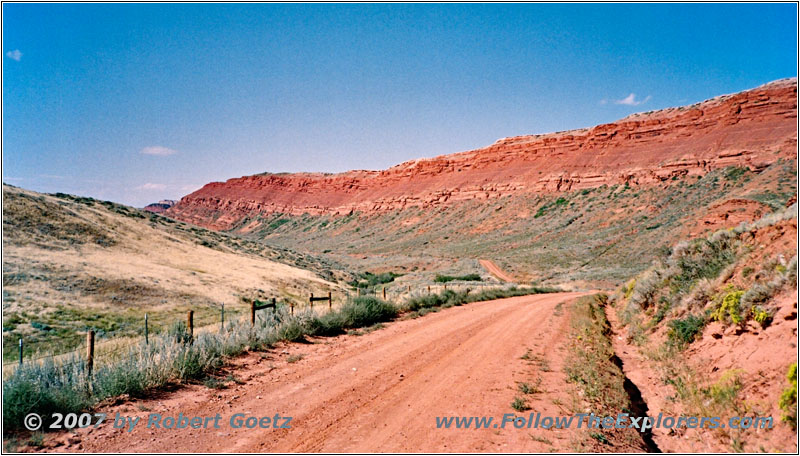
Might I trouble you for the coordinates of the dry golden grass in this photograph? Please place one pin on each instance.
(71, 264)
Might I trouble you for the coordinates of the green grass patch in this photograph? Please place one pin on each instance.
(467, 277)
(369, 279)
(519, 404)
(685, 331)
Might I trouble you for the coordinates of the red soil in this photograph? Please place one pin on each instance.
(726, 214)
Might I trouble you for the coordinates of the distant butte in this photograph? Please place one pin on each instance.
(753, 128)
(160, 207)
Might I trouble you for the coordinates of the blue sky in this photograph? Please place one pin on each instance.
(138, 102)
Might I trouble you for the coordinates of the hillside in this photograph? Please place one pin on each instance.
(70, 263)
(711, 329)
(587, 207)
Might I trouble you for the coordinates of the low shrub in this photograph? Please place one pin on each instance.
(450, 298)
(530, 388)
(701, 259)
(178, 332)
(757, 294)
(446, 278)
(728, 306)
(664, 306)
(725, 390)
(645, 288)
(369, 279)
(44, 388)
(761, 316)
(292, 331)
(519, 404)
(685, 331)
(788, 400)
(628, 288)
(435, 300)
(366, 311)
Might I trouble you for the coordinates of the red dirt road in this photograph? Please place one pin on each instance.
(378, 392)
(495, 270)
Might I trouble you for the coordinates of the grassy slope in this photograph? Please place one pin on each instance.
(603, 235)
(75, 263)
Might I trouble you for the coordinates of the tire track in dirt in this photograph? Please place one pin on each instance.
(378, 392)
(495, 270)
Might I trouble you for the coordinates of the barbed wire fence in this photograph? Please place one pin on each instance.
(210, 318)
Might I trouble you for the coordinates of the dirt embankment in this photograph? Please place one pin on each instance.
(748, 360)
(378, 392)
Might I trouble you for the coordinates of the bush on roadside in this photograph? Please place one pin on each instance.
(366, 311)
(446, 278)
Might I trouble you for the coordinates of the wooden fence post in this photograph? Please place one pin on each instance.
(445, 287)
(20, 351)
(292, 306)
(311, 302)
(252, 313)
(384, 293)
(90, 352)
(222, 324)
(190, 323)
(429, 289)
(146, 331)
(330, 301)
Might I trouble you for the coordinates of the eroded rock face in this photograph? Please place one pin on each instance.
(725, 214)
(751, 129)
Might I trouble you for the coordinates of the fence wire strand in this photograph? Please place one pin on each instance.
(202, 322)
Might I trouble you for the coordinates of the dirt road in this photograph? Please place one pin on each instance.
(380, 391)
(495, 270)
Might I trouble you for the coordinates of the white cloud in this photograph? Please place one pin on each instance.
(151, 186)
(631, 100)
(14, 55)
(190, 188)
(158, 150)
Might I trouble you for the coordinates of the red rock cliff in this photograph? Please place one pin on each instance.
(752, 128)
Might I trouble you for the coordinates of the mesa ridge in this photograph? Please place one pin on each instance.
(752, 129)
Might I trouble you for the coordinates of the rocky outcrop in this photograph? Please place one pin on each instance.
(726, 214)
(160, 207)
(750, 129)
